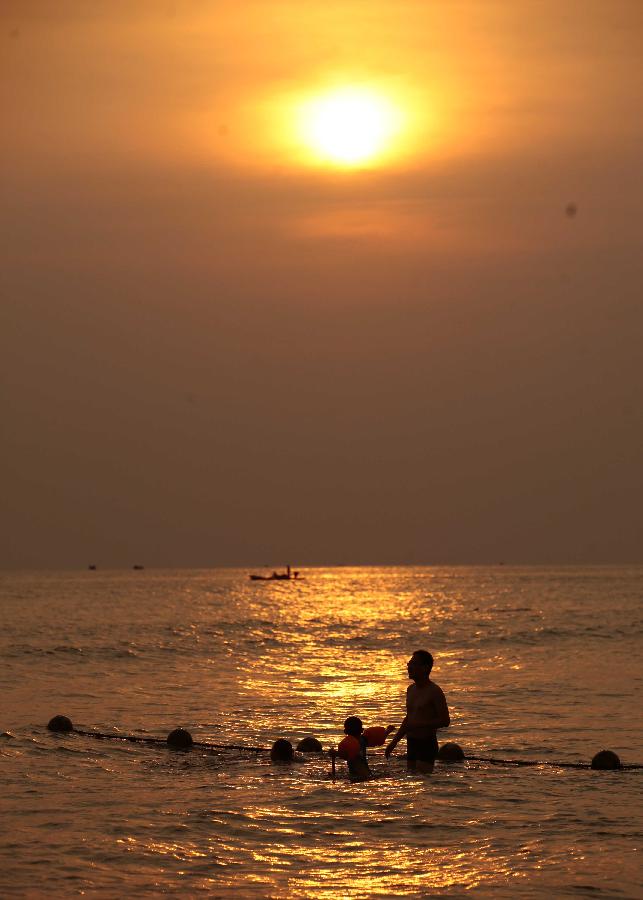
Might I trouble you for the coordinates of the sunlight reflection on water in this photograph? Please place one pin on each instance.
(245, 663)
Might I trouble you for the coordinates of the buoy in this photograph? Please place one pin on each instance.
(606, 759)
(281, 751)
(451, 752)
(375, 735)
(348, 748)
(60, 723)
(179, 739)
(309, 745)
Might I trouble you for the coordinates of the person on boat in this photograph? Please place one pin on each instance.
(353, 747)
(426, 711)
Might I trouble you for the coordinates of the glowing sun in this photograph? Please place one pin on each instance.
(349, 126)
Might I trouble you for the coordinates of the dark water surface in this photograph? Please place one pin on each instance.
(536, 663)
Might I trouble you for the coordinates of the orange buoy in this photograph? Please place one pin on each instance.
(375, 736)
(348, 748)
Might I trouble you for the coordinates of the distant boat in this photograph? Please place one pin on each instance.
(288, 575)
(138, 567)
(92, 568)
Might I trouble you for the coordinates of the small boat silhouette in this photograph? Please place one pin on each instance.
(288, 575)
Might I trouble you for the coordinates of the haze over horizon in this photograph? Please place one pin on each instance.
(220, 347)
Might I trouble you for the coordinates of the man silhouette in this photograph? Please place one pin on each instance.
(426, 711)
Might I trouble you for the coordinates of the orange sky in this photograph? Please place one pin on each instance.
(218, 349)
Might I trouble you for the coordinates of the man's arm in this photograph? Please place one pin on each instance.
(397, 737)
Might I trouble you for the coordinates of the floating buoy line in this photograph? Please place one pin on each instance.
(450, 752)
(178, 739)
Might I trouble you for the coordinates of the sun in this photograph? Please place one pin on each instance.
(349, 126)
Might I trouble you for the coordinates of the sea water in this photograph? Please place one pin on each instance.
(536, 663)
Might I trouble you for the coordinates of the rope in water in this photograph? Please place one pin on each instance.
(138, 739)
(180, 739)
(542, 762)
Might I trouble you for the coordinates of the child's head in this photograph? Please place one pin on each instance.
(281, 751)
(353, 726)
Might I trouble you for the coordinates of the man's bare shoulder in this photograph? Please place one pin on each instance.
(436, 689)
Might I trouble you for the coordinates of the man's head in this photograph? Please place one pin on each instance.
(419, 666)
(353, 726)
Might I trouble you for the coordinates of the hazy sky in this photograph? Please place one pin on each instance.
(219, 348)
